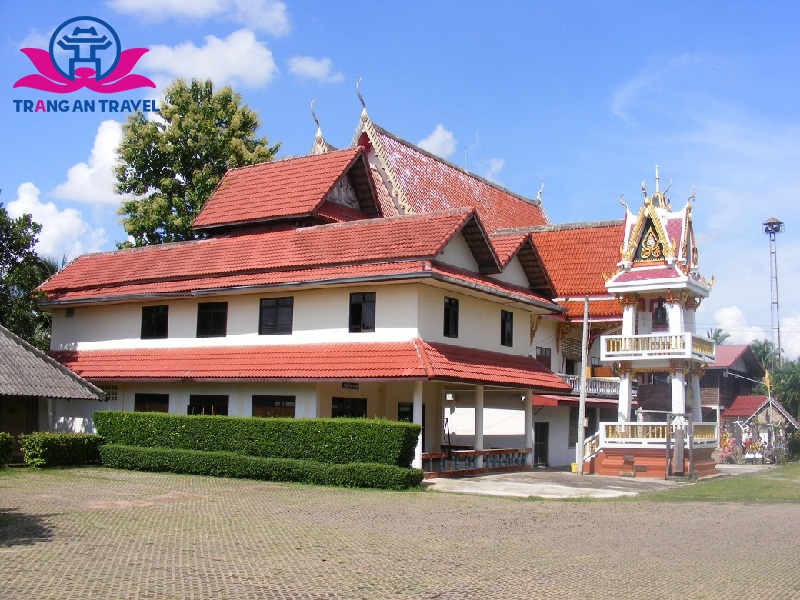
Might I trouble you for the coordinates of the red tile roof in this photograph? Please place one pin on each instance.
(598, 309)
(726, 356)
(414, 359)
(743, 406)
(506, 245)
(372, 240)
(289, 187)
(577, 255)
(550, 400)
(432, 184)
(645, 273)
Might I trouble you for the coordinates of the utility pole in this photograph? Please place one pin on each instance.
(582, 400)
(772, 227)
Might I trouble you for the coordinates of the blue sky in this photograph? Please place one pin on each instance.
(587, 97)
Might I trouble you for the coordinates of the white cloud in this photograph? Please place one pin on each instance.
(732, 321)
(36, 39)
(269, 16)
(93, 181)
(239, 59)
(318, 69)
(64, 232)
(440, 142)
(492, 168)
(790, 337)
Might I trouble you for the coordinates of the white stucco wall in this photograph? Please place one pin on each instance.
(457, 253)
(513, 274)
(320, 316)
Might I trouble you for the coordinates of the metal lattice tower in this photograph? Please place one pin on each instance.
(772, 227)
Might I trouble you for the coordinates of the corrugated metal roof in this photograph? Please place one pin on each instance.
(26, 371)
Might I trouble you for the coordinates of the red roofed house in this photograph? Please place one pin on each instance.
(376, 281)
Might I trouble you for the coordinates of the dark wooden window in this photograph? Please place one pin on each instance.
(506, 328)
(151, 403)
(405, 411)
(155, 322)
(212, 319)
(276, 316)
(349, 407)
(273, 406)
(207, 404)
(362, 312)
(450, 317)
(544, 356)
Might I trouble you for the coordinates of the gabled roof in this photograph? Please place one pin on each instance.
(576, 255)
(743, 406)
(26, 371)
(414, 359)
(372, 240)
(422, 182)
(726, 355)
(288, 188)
(369, 250)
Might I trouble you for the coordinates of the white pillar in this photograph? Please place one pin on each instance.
(675, 317)
(629, 319)
(697, 412)
(528, 400)
(678, 393)
(417, 417)
(625, 397)
(479, 422)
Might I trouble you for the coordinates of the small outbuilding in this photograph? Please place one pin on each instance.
(30, 381)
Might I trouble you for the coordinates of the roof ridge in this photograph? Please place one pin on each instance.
(535, 202)
(291, 158)
(560, 227)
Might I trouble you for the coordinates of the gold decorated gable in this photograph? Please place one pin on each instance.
(648, 240)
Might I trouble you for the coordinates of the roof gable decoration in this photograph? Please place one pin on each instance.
(477, 241)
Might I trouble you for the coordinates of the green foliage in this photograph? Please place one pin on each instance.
(785, 386)
(42, 449)
(172, 164)
(6, 448)
(324, 440)
(764, 352)
(230, 464)
(718, 335)
(21, 272)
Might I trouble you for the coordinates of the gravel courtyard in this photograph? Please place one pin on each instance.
(101, 533)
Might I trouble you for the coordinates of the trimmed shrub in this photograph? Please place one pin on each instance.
(229, 464)
(43, 449)
(325, 440)
(6, 448)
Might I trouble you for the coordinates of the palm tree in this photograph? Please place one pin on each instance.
(718, 335)
(764, 352)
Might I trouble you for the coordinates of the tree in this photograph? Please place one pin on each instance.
(173, 163)
(21, 272)
(764, 352)
(718, 335)
(785, 385)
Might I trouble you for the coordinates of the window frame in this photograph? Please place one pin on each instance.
(209, 404)
(216, 319)
(276, 406)
(347, 407)
(155, 326)
(147, 402)
(544, 355)
(506, 328)
(277, 310)
(451, 308)
(362, 312)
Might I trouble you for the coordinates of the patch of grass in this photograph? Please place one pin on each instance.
(778, 485)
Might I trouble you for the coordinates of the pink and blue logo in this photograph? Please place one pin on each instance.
(84, 52)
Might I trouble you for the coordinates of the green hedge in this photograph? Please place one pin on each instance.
(325, 440)
(42, 449)
(228, 464)
(6, 448)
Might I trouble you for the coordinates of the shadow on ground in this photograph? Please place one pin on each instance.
(18, 528)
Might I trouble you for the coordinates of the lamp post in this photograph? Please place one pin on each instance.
(772, 227)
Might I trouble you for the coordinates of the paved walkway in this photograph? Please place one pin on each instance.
(101, 533)
(559, 484)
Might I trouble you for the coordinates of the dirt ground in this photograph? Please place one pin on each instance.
(101, 533)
